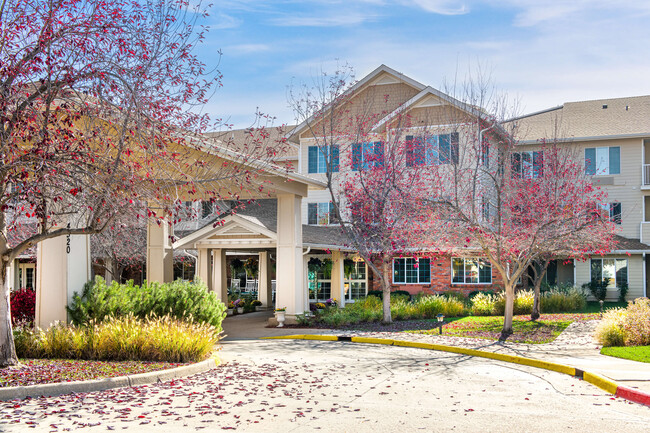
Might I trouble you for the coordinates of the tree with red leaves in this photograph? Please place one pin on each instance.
(97, 111)
(517, 206)
(379, 197)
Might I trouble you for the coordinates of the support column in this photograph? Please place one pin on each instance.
(264, 289)
(62, 268)
(219, 276)
(338, 278)
(160, 254)
(204, 267)
(289, 265)
(305, 280)
(12, 275)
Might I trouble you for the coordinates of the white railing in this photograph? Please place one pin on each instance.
(646, 174)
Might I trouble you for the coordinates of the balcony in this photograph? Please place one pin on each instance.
(645, 168)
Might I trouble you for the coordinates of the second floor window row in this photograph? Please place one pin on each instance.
(527, 165)
(432, 150)
(318, 157)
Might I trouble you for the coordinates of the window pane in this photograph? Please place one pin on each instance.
(526, 165)
(312, 157)
(515, 165)
(609, 272)
(312, 213)
(614, 160)
(432, 150)
(411, 271)
(602, 160)
(445, 148)
(454, 148)
(471, 271)
(424, 270)
(615, 212)
(399, 271)
(621, 272)
(335, 158)
(538, 164)
(457, 271)
(485, 272)
(322, 162)
(323, 213)
(596, 269)
(590, 160)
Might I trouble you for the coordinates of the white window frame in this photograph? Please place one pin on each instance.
(613, 282)
(322, 218)
(417, 270)
(478, 277)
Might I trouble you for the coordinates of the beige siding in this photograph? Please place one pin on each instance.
(634, 275)
(625, 187)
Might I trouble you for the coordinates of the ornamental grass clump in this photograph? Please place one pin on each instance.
(129, 338)
(429, 306)
(626, 326)
(483, 304)
(523, 303)
(560, 300)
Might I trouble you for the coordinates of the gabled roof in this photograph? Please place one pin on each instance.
(260, 217)
(368, 79)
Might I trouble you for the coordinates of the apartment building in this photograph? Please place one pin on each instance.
(612, 138)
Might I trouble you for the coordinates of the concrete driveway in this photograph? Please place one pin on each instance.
(277, 386)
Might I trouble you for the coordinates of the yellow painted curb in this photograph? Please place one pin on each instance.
(600, 382)
(285, 337)
(371, 340)
(321, 337)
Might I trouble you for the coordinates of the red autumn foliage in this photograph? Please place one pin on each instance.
(23, 306)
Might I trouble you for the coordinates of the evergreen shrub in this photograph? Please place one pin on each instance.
(179, 299)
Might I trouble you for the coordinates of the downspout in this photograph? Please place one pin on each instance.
(645, 284)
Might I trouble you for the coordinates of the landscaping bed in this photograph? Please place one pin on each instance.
(544, 330)
(42, 371)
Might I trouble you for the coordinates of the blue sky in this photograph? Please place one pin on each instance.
(541, 53)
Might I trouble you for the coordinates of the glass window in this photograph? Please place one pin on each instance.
(471, 271)
(317, 158)
(320, 214)
(614, 270)
(527, 165)
(411, 270)
(367, 155)
(602, 160)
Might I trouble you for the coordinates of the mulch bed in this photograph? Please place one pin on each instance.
(40, 371)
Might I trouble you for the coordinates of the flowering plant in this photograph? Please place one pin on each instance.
(281, 309)
(320, 306)
(331, 302)
(231, 304)
(239, 303)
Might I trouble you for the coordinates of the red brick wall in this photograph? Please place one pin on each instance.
(441, 281)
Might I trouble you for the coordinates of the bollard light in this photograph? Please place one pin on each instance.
(440, 318)
(601, 308)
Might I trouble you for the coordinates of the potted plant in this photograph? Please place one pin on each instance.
(239, 305)
(257, 304)
(251, 267)
(280, 316)
(231, 309)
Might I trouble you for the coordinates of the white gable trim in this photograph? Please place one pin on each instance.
(230, 222)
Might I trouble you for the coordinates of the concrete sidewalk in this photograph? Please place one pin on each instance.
(574, 347)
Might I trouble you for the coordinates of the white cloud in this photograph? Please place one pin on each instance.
(223, 21)
(442, 7)
(331, 19)
(242, 49)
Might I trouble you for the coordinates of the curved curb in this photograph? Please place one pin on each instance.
(54, 389)
(601, 382)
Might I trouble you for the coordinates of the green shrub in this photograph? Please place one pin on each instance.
(598, 288)
(562, 300)
(179, 299)
(121, 339)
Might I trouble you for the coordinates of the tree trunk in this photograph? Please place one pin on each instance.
(7, 348)
(509, 311)
(385, 290)
(537, 289)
